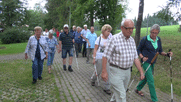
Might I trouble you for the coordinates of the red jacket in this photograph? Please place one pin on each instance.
(57, 34)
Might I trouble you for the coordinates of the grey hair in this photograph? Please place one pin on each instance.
(156, 27)
(78, 27)
(73, 26)
(122, 23)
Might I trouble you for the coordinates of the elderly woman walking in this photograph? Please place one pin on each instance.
(52, 42)
(37, 49)
(100, 45)
(149, 46)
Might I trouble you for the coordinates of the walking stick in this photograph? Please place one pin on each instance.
(76, 57)
(171, 78)
(133, 79)
(96, 74)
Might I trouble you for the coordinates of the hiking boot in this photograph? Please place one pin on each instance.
(64, 68)
(34, 81)
(40, 78)
(93, 83)
(70, 69)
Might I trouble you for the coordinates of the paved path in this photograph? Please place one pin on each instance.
(75, 86)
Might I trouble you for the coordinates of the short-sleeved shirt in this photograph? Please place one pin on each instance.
(66, 39)
(52, 44)
(102, 45)
(121, 51)
(92, 38)
(84, 33)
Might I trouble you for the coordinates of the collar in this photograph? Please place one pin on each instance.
(150, 39)
(122, 36)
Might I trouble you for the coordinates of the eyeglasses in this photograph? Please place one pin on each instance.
(129, 28)
(154, 32)
(65, 28)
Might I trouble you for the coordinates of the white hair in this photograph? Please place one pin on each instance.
(122, 23)
(78, 27)
(156, 27)
(73, 26)
(85, 25)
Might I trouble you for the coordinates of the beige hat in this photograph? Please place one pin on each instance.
(66, 25)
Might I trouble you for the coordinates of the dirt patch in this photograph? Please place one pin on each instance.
(2, 47)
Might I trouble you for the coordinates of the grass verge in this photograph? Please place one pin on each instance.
(16, 78)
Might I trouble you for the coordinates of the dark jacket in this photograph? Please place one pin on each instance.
(146, 48)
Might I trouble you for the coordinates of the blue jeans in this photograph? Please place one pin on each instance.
(50, 58)
(65, 51)
(37, 67)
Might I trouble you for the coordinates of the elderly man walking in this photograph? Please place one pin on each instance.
(121, 52)
(66, 40)
(83, 35)
(90, 38)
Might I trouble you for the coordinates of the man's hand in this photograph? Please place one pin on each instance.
(104, 76)
(142, 76)
(89, 45)
(26, 56)
(73, 40)
(170, 54)
(46, 55)
(78, 36)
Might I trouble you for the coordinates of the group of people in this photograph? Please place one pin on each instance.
(113, 56)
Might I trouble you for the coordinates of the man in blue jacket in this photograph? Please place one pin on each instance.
(78, 40)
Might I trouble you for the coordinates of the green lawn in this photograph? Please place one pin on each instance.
(12, 48)
(16, 78)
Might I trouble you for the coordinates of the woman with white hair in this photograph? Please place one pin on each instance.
(148, 47)
(37, 49)
(52, 42)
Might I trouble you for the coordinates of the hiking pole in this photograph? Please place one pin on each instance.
(76, 57)
(96, 74)
(171, 77)
(152, 61)
(134, 78)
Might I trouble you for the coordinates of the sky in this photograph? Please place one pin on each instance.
(150, 6)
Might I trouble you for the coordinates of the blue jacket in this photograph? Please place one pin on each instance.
(146, 48)
(77, 37)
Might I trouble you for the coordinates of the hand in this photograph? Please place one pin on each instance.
(104, 76)
(26, 56)
(60, 49)
(142, 76)
(89, 45)
(170, 54)
(94, 61)
(81, 35)
(73, 41)
(145, 59)
(78, 36)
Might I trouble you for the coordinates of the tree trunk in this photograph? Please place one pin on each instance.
(139, 21)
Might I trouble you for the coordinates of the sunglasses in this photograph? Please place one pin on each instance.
(128, 28)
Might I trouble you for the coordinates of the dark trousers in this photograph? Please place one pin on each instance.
(78, 48)
(37, 67)
(84, 52)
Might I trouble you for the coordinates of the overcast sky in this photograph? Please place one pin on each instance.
(150, 6)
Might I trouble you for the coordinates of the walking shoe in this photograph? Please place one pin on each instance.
(64, 67)
(40, 78)
(107, 92)
(93, 83)
(34, 81)
(87, 62)
(70, 69)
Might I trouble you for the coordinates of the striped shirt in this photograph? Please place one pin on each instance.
(32, 47)
(121, 51)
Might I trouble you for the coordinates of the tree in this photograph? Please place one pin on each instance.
(12, 13)
(109, 12)
(139, 21)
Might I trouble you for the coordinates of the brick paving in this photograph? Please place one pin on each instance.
(75, 86)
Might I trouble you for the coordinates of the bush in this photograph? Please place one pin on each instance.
(14, 35)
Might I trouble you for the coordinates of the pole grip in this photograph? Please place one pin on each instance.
(154, 58)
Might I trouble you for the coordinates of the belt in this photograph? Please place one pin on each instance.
(118, 67)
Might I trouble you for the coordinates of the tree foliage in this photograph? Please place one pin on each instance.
(12, 13)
